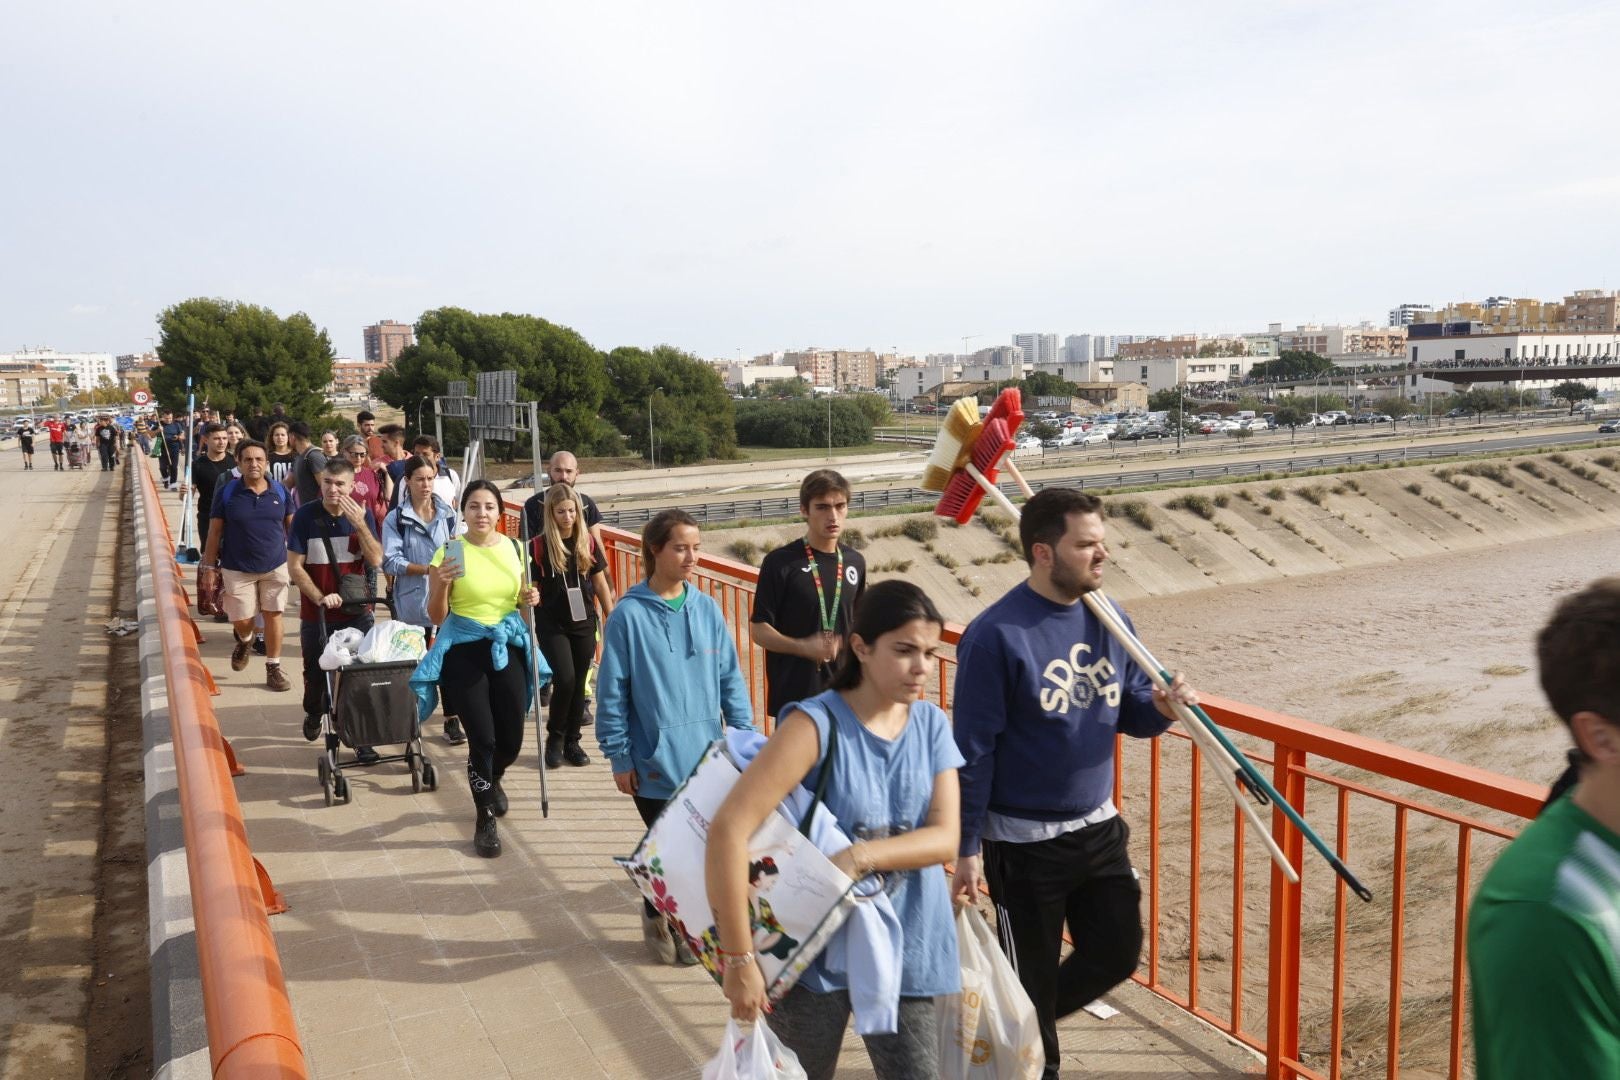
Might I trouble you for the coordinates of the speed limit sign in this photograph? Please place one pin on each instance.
(141, 397)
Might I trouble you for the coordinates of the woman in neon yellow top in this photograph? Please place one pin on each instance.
(483, 649)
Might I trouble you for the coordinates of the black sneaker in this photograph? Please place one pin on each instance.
(574, 754)
(554, 751)
(486, 840)
(312, 728)
(497, 799)
(452, 731)
(365, 755)
(258, 644)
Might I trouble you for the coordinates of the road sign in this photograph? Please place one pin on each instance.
(141, 397)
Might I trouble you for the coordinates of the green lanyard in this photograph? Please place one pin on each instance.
(829, 615)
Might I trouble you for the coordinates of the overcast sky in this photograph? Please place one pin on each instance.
(753, 176)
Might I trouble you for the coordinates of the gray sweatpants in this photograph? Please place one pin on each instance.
(812, 1026)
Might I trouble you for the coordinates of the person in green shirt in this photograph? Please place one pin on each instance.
(1544, 929)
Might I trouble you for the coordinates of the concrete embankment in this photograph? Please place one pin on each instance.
(1175, 541)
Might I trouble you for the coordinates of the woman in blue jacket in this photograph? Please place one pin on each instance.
(411, 533)
(668, 678)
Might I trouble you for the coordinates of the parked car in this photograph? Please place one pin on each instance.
(1146, 433)
(1028, 442)
(1609, 427)
(1458, 414)
(1093, 438)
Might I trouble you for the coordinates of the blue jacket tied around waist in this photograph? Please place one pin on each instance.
(457, 629)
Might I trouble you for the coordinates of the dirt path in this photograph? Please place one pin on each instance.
(54, 655)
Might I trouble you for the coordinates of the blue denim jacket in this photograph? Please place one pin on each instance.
(406, 538)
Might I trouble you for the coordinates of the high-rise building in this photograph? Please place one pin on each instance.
(83, 371)
(1076, 349)
(1407, 314)
(1037, 348)
(387, 339)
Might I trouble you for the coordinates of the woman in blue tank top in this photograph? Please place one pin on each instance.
(893, 789)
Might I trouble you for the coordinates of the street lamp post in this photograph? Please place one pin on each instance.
(829, 425)
(652, 447)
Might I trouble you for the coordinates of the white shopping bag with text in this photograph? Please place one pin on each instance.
(989, 1031)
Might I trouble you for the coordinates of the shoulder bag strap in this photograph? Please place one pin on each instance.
(823, 774)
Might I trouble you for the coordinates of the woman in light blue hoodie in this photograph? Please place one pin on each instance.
(669, 677)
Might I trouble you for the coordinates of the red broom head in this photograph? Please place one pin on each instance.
(1008, 406)
(962, 496)
(994, 443)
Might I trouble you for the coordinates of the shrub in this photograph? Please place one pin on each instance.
(1221, 500)
(1133, 510)
(855, 538)
(744, 550)
(1488, 470)
(893, 566)
(920, 529)
(1416, 489)
(1312, 493)
(1276, 493)
(1201, 505)
(1532, 468)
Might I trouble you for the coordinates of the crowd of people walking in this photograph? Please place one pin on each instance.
(1014, 787)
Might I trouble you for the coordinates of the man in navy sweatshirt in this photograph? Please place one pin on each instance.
(1041, 690)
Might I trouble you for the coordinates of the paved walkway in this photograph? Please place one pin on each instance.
(405, 953)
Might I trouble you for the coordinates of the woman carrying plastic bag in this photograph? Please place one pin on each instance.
(893, 786)
(989, 1031)
(759, 1055)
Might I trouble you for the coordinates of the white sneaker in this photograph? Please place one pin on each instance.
(660, 942)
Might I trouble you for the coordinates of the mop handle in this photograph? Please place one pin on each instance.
(1096, 600)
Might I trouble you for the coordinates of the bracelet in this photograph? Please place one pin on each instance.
(727, 959)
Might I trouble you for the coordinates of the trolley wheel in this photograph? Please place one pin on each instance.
(415, 760)
(341, 786)
(430, 776)
(323, 769)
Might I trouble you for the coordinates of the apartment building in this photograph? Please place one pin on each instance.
(836, 369)
(351, 379)
(1160, 348)
(1037, 348)
(86, 369)
(1338, 342)
(386, 340)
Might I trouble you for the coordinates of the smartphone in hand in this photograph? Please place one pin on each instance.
(454, 555)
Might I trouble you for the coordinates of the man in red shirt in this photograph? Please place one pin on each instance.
(58, 430)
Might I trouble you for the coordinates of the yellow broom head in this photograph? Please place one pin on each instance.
(953, 445)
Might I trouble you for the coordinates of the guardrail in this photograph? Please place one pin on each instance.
(251, 1031)
(1334, 977)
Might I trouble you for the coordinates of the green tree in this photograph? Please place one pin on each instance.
(875, 407)
(693, 416)
(1044, 429)
(1292, 364)
(1479, 400)
(1395, 405)
(1290, 416)
(802, 423)
(1574, 392)
(556, 367)
(242, 356)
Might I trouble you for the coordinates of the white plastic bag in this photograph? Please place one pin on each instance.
(759, 1055)
(341, 647)
(989, 1031)
(391, 640)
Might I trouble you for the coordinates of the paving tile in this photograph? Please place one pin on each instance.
(473, 1060)
(342, 1052)
(658, 1055)
(583, 993)
(435, 1034)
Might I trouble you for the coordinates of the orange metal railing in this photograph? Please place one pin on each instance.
(1334, 975)
(251, 1030)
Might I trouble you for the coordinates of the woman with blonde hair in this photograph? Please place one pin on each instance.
(570, 570)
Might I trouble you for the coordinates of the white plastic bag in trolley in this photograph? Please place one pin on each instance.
(758, 1055)
(391, 640)
(989, 1031)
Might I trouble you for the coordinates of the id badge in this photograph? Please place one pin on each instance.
(576, 603)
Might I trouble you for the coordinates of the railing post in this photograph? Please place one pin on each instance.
(1283, 952)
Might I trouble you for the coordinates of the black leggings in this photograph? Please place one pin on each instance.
(1082, 878)
(569, 653)
(490, 704)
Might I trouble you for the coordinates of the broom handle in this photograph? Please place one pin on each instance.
(1018, 477)
(534, 669)
(1104, 609)
(1225, 767)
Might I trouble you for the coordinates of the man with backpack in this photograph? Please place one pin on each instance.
(308, 466)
